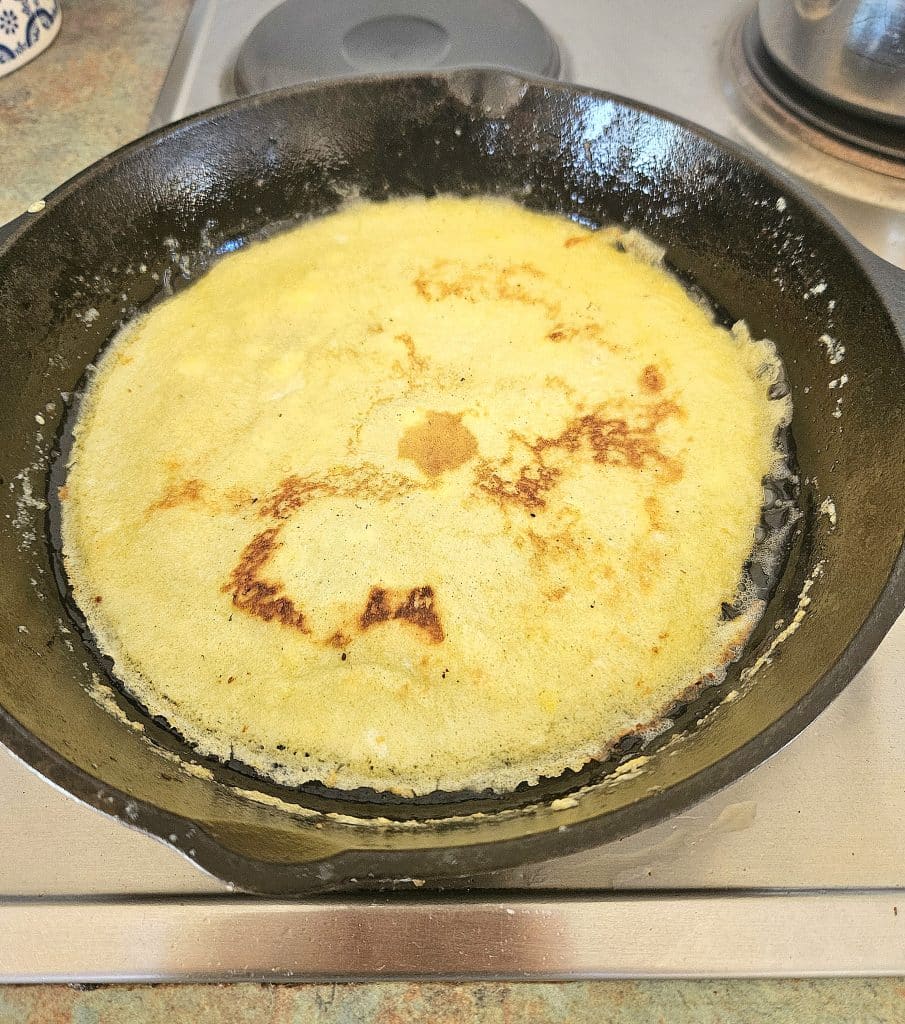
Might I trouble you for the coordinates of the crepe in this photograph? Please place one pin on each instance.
(423, 494)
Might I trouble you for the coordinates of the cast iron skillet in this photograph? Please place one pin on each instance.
(749, 238)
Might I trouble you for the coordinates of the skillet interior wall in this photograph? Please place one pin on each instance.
(747, 242)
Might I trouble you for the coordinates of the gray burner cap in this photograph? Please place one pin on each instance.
(303, 40)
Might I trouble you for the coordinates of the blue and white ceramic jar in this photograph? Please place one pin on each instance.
(27, 28)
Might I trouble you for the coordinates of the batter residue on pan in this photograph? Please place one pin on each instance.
(427, 493)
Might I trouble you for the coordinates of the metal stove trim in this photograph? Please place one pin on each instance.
(654, 935)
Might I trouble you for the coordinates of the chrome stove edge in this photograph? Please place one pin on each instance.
(660, 935)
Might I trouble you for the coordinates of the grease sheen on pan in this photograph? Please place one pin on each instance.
(422, 494)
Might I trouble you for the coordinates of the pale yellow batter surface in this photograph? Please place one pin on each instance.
(421, 494)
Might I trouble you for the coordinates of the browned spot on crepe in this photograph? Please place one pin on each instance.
(438, 443)
(358, 424)
(593, 331)
(416, 362)
(618, 441)
(654, 511)
(182, 492)
(266, 599)
(362, 481)
(613, 440)
(257, 596)
(238, 497)
(652, 379)
(553, 380)
(527, 488)
(416, 606)
(514, 282)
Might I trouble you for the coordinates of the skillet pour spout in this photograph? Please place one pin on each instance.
(154, 214)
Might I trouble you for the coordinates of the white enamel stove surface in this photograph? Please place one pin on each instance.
(798, 868)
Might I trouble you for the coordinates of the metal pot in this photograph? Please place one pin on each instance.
(850, 52)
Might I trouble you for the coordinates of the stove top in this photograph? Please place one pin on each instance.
(797, 868)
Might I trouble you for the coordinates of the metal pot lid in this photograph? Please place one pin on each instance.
(303, 40)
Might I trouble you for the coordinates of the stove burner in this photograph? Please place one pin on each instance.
(833, 129)
(302, 40)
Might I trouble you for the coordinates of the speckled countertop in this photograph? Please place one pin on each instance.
(613, 1002)
(92, 91)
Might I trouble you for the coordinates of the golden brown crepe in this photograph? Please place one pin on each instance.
(423, 494)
